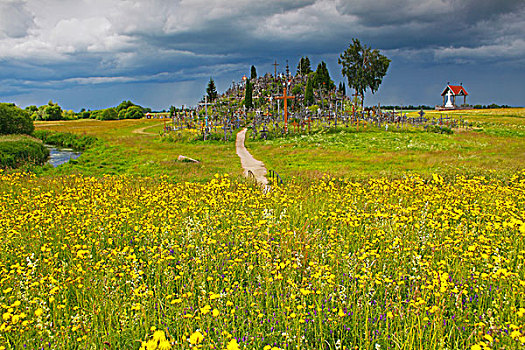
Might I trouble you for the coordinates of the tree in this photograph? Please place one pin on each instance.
(363, 67)
(211, 91)
(134, 112)
(304, 67)
(108, 114)
(124, 105)
(309, 91)
(248, 95)
(253, 74)
(51, 111)
(322, 78)
(14, 120)
(342, 88)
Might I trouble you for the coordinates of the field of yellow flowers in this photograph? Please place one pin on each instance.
(121, 262)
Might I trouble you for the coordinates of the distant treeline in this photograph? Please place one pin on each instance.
(52, 111)
(491, 106)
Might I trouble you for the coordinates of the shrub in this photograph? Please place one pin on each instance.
(134, 112)
(64, 139)
(108, 114)
(14, 154)
(14, 120)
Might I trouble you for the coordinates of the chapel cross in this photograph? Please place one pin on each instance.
(285, 97)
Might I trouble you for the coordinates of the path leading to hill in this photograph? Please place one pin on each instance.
(250, 164)
(142, 131)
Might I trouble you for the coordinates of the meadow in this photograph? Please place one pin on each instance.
(123, 262)
(352, 252)
(494, 145)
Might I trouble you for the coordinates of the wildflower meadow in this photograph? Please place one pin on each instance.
(126, 262)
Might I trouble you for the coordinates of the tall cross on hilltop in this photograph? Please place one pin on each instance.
(285, 97)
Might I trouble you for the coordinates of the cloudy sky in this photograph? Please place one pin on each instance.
(96, 53)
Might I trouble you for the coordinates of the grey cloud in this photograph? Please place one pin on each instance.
(15, 20)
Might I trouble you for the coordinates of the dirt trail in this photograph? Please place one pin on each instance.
(250, 164)
(142, 131)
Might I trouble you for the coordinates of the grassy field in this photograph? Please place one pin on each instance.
(127, 263)
(415, 242)
(495, 145)
(127, 151)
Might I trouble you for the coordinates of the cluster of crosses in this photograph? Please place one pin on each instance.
(282, 113)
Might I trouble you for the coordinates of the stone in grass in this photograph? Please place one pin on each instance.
(187, 159)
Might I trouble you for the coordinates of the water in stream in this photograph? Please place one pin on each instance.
(59, 156)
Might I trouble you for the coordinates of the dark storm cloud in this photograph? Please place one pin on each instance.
(139, 46)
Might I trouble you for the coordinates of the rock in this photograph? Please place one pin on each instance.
(187, 159)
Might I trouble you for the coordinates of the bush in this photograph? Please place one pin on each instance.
(63, 139)
(14, 120)
(14, 154)
(438, 129)
(108, 114)
(134, 112)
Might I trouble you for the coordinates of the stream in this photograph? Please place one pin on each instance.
(59, 156)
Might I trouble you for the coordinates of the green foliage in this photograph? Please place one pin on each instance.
(248, 95)
(64, 139)
(211, 91)
(303, 67)
(253, 73)
(322, 79)
(363, 67)
(124, 105)
(297, 89)
(439, 129)
(134, 112)
(309, 92)
(69, 115)
(14, 120)
(108, 114)
(342, 88)
(51, 111)
(14, 154)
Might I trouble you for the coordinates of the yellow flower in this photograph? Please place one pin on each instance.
(215, 313)
(196, 338)
(39, 312)
(233, 345)
(164, 345)
(206, 309)
(389, 314)
(151, 344)
(515, 334)
(159, 336)
(475, 347)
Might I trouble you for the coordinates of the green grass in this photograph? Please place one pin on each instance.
(18, 151)
(124, 151)
(494, 145)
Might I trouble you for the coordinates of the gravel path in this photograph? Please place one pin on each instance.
(249, 163)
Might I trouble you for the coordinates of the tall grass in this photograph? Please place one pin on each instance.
(117, 260)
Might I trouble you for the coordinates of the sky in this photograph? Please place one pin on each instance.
(96, 53)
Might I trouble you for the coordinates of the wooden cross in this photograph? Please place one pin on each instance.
(285, 97)
(275, 64)
(294, 126)
(206, 104)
